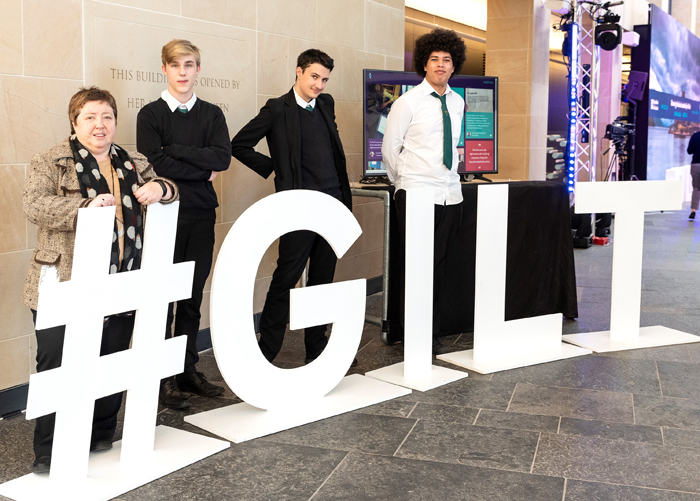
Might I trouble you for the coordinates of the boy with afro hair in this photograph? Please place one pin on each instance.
(420, 150)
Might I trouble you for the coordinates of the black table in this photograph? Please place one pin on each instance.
(540, 274)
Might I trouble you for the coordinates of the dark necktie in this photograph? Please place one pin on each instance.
(182, 110)
(309, 108)
(446, 131)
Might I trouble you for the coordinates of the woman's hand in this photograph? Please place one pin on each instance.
(150, 193)
(104, 200)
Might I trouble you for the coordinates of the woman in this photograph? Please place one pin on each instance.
(86, 170)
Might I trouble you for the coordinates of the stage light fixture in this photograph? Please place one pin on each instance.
(573, 95)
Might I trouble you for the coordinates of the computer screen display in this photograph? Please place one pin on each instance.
(477, 147)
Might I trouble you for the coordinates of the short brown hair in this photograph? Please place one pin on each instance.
(177, 48)
(86, 95)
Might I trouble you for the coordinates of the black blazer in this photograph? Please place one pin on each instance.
(278, 121)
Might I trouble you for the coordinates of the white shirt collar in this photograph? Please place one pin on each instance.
(301, 101)
(428, 89)
(173, 103)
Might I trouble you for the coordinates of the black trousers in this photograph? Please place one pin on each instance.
(116, 336)
(194, 241)
(295, 249)
(447, 221)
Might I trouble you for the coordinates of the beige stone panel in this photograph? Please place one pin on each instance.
(423, 16)
(373, 226)
(261, 287)
(513, 131)
(234, 12)
(541, 30)
(292, 19)
(538, 131)
(354, 61)
(409, 12)
(335, 81)
(341, 23)
(268, 263)
(11, 36)
(353, 164)
(16, 317)
(508, 8)
(242, 187)
(348, 116)
(384, 30)
(394, 63)
(165, 6)
(509, 33)
(539, 99)
(537, 170)
(33, 116)
(463, 28)
(351, 267)
(358, 246)
(540, 66)
(419, 31)
(53, 38)
(682, 12)
(380, 1)
(513, 97)
(511, 163)
(204, 310)
(13, 229)
(273, 64)
(508, 65)
(408, 27)
(14, 360)
(220, 232)
(134, 75)
(375, 263)
(445, 23)
(478, 33)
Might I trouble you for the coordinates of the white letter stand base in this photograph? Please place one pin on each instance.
(174, 449)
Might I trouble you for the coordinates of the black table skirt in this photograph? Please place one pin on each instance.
(540, 274)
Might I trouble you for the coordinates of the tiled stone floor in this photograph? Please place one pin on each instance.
(619, 426)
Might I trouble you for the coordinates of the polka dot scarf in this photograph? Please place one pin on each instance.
(92, 184)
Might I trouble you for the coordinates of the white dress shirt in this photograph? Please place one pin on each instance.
(174, 104)
(412, 148)
(301, 102)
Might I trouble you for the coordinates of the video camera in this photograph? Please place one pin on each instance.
(619, 131)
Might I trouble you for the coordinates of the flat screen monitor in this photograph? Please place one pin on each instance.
(478, 143)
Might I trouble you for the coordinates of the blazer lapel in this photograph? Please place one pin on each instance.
(293, 125)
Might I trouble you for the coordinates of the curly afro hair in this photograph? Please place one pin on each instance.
(439, 40)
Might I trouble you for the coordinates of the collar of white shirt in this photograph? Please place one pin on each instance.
(301, 102)
(428, 89)
(174, 104)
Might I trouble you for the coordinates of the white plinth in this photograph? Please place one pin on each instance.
(649, 337)
(439, 376)
(174, 449)
(466, 359)
(241, 422)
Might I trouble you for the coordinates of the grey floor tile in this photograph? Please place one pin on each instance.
(694, 351)
(598, 295)
(479, 394)
(682, 438)
(675, 353)
(252, 471)
(472, 445)
(517, 421)
(591, 372)
(571, 402)
(611, 431)
(444, 413)
(396, 408)
(618, 462)
(577, 490)
(680, 380)
(673, 412)
(362, 477)
(369, 433)
(16, 447)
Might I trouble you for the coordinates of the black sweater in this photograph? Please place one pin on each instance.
(186, 147)
(694, 148)
(318, 171)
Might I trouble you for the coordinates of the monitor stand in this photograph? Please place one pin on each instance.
(470, 177)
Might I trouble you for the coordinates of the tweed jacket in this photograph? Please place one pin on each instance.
(51, 199)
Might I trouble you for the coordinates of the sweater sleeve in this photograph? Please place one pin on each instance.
(216, 156)
(243, 144)
(148, 143)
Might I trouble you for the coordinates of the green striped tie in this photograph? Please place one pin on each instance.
(182, 110)
(446, 131)
(309, 108)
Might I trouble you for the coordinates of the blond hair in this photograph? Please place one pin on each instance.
(178, 48)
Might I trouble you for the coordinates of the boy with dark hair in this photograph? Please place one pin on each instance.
(305, 153)
(186, 139)
(419, 149)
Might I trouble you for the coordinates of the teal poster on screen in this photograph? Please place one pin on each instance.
(478, 116)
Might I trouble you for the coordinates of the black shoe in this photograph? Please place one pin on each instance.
(104, 444)
(41, 465)
(692, 215)
(171, 397)
(440, 348)
(308, 360)
(196, 382)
